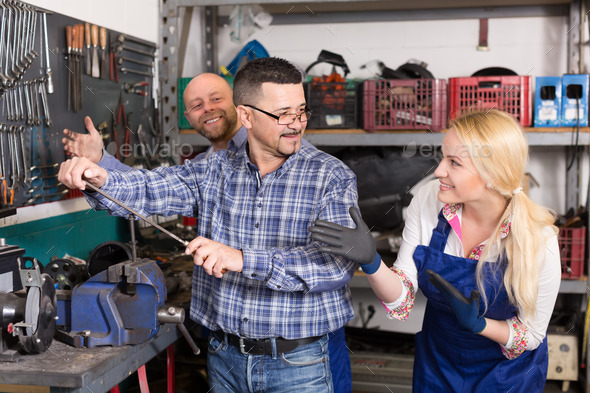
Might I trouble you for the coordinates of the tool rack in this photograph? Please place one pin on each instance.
(55, 91)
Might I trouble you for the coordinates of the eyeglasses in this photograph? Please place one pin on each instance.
(286, 118)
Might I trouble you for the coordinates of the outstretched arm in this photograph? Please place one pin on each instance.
(357, 244)
(84, 145)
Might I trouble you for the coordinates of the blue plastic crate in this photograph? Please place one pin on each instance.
(570, 85)
(547, 101)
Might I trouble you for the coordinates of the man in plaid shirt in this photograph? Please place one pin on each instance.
(265, 289)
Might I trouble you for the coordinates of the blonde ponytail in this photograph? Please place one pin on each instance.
(504, 140)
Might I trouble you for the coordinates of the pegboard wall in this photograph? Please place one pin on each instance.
(39, 100)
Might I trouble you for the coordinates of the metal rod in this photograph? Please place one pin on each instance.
(129, 209)
(188, 338)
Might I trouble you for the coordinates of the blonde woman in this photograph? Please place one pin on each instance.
(484, 255)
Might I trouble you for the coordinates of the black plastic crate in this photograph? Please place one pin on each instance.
(333, 104)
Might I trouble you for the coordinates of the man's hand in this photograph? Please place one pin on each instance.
(84, 145)
(356, 244)
(215, 257)
(466, 309)
(75, 172)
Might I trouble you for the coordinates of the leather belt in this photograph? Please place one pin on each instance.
(263, 346)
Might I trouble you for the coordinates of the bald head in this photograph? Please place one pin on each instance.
(208, 100)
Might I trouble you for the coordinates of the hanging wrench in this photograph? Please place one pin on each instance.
(38, 107)
(48, 121)
(14, 173)
(27, 177)
(6, 80)
(20, 101)
(127, 70)
(2, 166)
(120, 48)
(29, 104)
(122, 38)
(19, 71)
(130, 60)
(33, 34)
(47, 63)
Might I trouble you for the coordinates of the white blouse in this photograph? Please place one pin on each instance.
(422, 218)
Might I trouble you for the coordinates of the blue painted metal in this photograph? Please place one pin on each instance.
(119, 305)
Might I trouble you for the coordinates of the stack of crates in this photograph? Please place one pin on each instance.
(511, 94)
(333, 104)
(405, 104)
(572, 244)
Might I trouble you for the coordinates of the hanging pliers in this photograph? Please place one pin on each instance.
(137, 88)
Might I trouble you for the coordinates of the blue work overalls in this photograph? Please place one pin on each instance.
(448, 357)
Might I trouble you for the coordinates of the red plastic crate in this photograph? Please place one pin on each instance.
(406, 104)
(572, 243)
(511, 94)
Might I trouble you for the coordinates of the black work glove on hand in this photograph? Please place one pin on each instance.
(466, 309)
(356, 244)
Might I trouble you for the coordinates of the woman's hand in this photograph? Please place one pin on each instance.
(466, 309)
(356, 244)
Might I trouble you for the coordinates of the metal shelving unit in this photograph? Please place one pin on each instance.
(173, 43)
(551, 137)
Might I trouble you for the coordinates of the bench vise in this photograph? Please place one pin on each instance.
(118, 306)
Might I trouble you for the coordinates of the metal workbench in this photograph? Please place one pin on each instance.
(75, 370)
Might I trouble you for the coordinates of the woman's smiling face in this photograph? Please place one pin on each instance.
(460, 181)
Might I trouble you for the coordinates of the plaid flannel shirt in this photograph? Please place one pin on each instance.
(288, 288)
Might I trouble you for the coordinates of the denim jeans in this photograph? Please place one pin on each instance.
(305, 369)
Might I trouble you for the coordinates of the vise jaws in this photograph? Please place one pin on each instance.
(118, 306)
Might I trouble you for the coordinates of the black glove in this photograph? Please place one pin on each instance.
(356, 244)
(466, 309)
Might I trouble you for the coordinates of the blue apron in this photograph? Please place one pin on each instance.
(448, 357)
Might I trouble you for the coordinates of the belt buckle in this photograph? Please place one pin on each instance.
(242, 346)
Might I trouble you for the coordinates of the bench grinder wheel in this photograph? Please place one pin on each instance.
(40, 313)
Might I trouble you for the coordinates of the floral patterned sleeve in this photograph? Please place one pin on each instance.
(518, 339)
(402, 311)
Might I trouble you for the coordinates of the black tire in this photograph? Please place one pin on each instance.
(494, 71)
(415, 71)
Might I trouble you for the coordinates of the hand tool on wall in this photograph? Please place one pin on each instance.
(113, 70)
(122, 119)
(70, 64)
(48, 74)
(135, 88)
(121, 47)
(131, 71)
(88, 54)
(122, 59)
(75, 64)
(95, 64)
(103, 53)
(123, 37)
(80, 46)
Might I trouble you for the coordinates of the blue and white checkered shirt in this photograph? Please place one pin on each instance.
(288, 288)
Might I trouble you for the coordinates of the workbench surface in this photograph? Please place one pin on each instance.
(68, 369)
